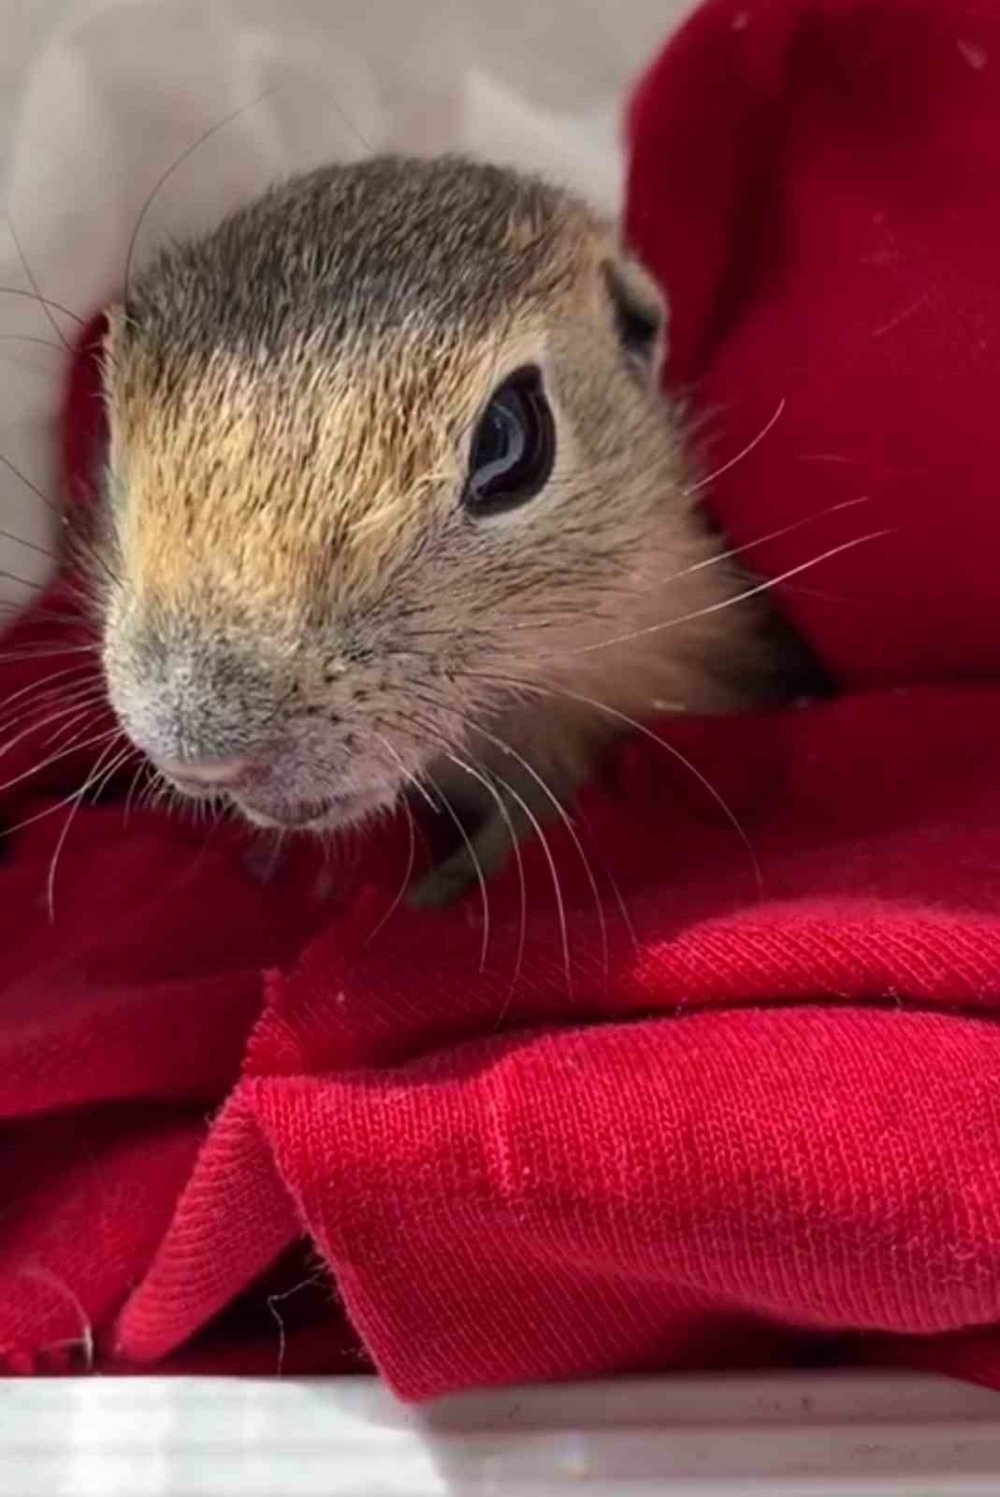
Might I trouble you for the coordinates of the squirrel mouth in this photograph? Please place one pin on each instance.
(311, 815)
(293, 815)
(304, 815)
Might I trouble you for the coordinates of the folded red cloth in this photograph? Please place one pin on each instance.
(708, 1123)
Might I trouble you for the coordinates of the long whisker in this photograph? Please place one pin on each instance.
(744, 452)
(34, 284)
(543, 842)
(142, 766)
(669, 748)
(36, 694)
(74, 710)
(351, 125)
(57, 707)
(63, 616)
(477, 866)
(724, 603)
(54, 758)
(491, 789)
(619, 897)
(28, 483)
(90, 782)
(407, 774)
(89, 709)
(39, 713)
(26, 609)
(29, 338)
(411, 858)
(763, 540)
(565, 818)
(44, 650)
(532, 819)
(57, 509)
(70, 678)
(8, 831)
(46, 301)
(155, 788)
(504, 814)
(21, 540)
(70, 670)
(519, 863)
(34, 711)
(36, 587)
(164, 178)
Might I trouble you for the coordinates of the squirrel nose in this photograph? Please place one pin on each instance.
(207, 774)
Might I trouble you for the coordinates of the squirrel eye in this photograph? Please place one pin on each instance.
(514, 447)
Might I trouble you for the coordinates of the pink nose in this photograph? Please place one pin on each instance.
(207, 774)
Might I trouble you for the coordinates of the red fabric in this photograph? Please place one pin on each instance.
(747, 1126)
(815, 181)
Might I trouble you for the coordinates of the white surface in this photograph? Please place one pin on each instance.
(829, 1435)
(99, 97)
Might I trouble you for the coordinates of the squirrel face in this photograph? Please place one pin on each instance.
(387, 463)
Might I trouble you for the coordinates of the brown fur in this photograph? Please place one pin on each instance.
(292, 402)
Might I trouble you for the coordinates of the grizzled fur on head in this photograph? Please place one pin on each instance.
(292, 401)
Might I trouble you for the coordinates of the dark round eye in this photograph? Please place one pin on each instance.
(514, 447)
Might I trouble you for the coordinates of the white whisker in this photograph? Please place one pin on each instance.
(647, 732)
(743, 452)
(143, 766)
(74, 710)
(70, 670)
(53, 759)
(92, 782)
(550, 860)
(478, 868)
(519, 863)
(724, 603)
(411, 857)
(529, 814)
(407, 774)
(8, 831)
(565, 818)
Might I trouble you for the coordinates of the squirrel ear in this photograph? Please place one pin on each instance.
(640, 312)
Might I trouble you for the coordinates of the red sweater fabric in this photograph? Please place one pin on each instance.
(250, 1123)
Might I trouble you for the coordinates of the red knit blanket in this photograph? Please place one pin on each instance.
(721, 1123)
